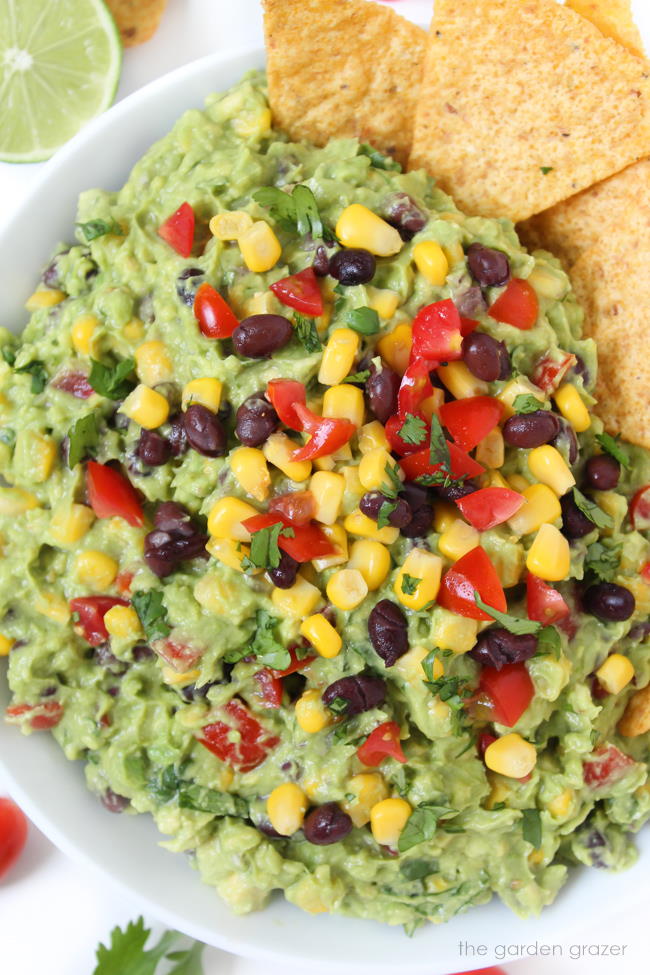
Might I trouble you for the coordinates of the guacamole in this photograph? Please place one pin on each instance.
(314, 548)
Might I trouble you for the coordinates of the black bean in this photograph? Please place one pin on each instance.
(489, 267)
(171, 516)
(361, 692)
(531, 429)
(193, 693)
(264, 826)
(259, 336)
(371, 504)
(471, 303)
(486, 358)
(388, 631)
(256, 420)
(602, 472)
(580, 369)
(142, 652)
(353, 266)
(114, 802)
(104, 657)
(420, 523)
(204, 432)
(455, 490)
(164, 550)
(285, 574)
(566, 441)
(153, 449)
(51, 276)
(176, 435)
(402, 212)
(575, 523)
(382, 387)
(609, 602)
(326, 824)
(497, 647)
(321, 262)
(187, 284)
(415, 495)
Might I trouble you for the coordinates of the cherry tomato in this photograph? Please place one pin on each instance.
(640, 509)
(437, 333)
(300, 291)
(180, 656)
(13, 834)
(470, 420)
(468, 325)
(42, 716)
(297, 663)
(269, 688)
(472, 573)
(91, 611)
(326, 434)
(511, 690)
(383, 742)
(253, 745)
(178, 230)
(75, 383)
(606, 766)
(490, 506)
(215, 316)
(419, 463)
(308, 541)
(397, 445)
(549, 373)
(485, 971)
(111, 494)
(415, 386)
(284, 394)
(543, 603)
(645, 572)
(517, 305)
(296, 508)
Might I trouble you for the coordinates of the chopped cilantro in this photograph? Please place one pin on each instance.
(510, 623)
(614, 447)
(202, 799)
(111, 381)
(9, 353)
(339, 706)
(363, 320)
(378, 159)
(265, 552)
(357, 377)
(549, 642)
(409, 584)
(265, 647)
(391, 487)
(36, 369)
(526, 403)
(82, 435)
(297, 211)
(386, 510)
(591, 510)
(413, 430)
(451, 690)
(531, 827)
(422, 824)
(418, 869)
(439, 449)
(545, 170)
(126, 954)
(149, 606)
(602, 561)
(305, 329)
(93, 229)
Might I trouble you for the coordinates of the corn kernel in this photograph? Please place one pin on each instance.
(518, 483)
(286, 807)
(95, 570)
(206, 391)
(540, 507)
(226, 517)
(521, 386)
(460, 382)
(338, 356)
(560, 806)
(452, 632)
(353, 486)
(500, 792)
(324, 463)
(365, 790)
(53, 606)
(372, 435)
(327, 489)
(549, 467)
(358, 226)
(445, 514)
(36, 453)
(152, 363)
(571, 406)
(82, 335)
(359, 524)
(279, 450)
(134, 330)
(395, 348)
(344, 402)
(374, 469)
(431, 404)
(346, 589)
(311, 714)
(549, 556)
(6, 643)
(494, 479)
(409, 666)
(15, 501)
(250, 470)
(300, 600)
(548, 284)
(387, 820)
(174, 679)
(425, 570)
(459, 539)
(44, 299)
(511, 756)
(491, 450)
(260, 248)
(431, 262)
(615, 673)
(454, 252)
(228, 551)
(322, 635)
(123, 622)
(372, 559)
(230, 225)
(71, 522)
(338, 536)
(146, 407)
(382, 300)
(252, 124)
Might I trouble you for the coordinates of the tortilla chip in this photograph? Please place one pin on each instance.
(524, 103)
(137, 20)
(340, 68)
(614, 19)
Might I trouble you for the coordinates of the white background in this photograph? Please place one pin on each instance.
(52, 911)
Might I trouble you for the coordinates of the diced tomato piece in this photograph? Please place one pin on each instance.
(216, 318)
(297, 663)
(485, 971)
(549, 373)
(490, 506)
(112, 495)
(284, 394)
(415, 386)
(484, 740)
(254, 743)
(473, 572)
(383, 742)
(510, 688)
(91, 611)
(42, 716)
(308, 541)
(437, 333)
(543, 603)
(178, 230)
(468, 325)
(296, 508)
(397, 445)
(300, 291)
(13, 834)
(326, 434)
(180, 656)
(75, 383)
(123, 582)
(269, 687)
(606, 766)
(640, 509)
(645, 572)
(517, 305)
(470, 420)
(419, 463)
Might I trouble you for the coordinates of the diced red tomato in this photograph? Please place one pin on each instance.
(640, 509)
(216, 318)
(180, 656)
(296, 508)
(112, 495)
(490, 506)
(437, 333)
(254, 743)
(326, 434)
(419, 463)
(123, 582)
(269, 688)
(42, 716)
(517, 305)
(284, 394)
(383, 742)
(543, 603)
(397, 445)
(468, 325)
(415, 386)
(470, 420)
(606, 766)
(300, 291)
(549, 373)
(75, 383)
(297, 663)
(91, 611)
(472, 573)
(13, 834)
(308, 541)
(645, 572)
(178, 230)
(485, 971)
(511, 690)
(484, 740)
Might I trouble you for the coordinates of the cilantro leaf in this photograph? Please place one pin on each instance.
(307, 215)
(413, 430)
(9, 353)
(37, 371)
(202, 799)
(545, 170)
(391, 487)
(265, 552)
(531, 827)
(363, 320)
(378, 159)
(511, 623)
(305, 329)
(549, 642)
(418, 869)
(126, 954)
(164, 787)
(409, 584)
(527, 403)
(187, 962)
(93, 229)
(339, 705)
(386, 510)
(451, 690)
(265, 647)
(297, 210)
(422, 824)
(357, 377)
(614, 447)
(591, 510)
(439, 449)
(111, 381)
(602, 561)
(82, 435)
(149, 606)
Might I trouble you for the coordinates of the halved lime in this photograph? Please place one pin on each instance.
(60, 64)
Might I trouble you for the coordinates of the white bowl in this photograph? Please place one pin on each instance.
(124, 849)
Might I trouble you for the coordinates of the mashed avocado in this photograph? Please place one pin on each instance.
(193, 684)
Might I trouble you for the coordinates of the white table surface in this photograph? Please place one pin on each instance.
(53, 911)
